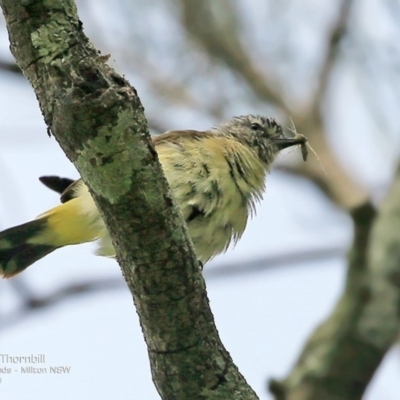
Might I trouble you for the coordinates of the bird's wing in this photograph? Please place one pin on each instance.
(177, 137)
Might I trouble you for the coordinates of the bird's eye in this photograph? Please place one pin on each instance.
(255, 127)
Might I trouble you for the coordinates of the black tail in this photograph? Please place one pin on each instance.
(18, 250)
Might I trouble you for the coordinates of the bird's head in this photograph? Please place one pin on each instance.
(262, 134)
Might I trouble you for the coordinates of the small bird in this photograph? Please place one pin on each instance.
(216, 177)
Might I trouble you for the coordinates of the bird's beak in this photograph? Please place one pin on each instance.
(283, 143)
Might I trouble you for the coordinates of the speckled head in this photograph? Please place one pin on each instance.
(261, 133)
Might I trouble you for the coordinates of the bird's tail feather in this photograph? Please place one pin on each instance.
(17, 251)
(63, 225)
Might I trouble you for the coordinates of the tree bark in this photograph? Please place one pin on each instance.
(98, 119)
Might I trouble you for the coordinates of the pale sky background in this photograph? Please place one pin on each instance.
(263, 317)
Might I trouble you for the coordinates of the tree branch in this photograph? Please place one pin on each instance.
(32, 302)
(326, 171)
(10, 67)
(221, 41)
(342, 355)
(99, 122)
(337, 33)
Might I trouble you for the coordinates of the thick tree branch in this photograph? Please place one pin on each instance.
(342, 355)
(99, 122)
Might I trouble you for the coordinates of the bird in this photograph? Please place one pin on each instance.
(216, 178)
